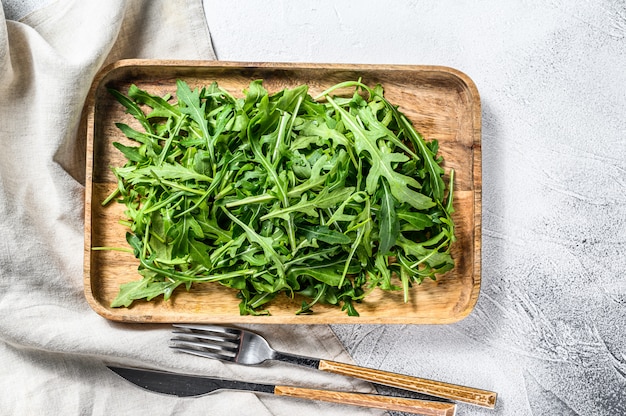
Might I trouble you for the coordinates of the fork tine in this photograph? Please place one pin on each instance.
(227, 331)
(209, 339)
(205, 354)
(193, 342)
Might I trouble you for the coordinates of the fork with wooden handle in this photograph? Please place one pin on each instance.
(248, 348)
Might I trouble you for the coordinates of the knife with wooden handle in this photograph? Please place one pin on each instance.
(186, 385)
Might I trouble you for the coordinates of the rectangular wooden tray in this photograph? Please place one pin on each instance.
(443, 104)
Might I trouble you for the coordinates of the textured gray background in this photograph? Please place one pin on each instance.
(549, 330)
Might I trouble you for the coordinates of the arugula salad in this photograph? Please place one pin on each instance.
(324, 198)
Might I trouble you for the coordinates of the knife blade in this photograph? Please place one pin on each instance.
(187, 385)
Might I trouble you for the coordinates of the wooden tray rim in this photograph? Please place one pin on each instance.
(468, 83)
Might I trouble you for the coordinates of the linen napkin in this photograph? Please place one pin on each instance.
(53, 347)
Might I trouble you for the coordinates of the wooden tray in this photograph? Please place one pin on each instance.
(443, 104)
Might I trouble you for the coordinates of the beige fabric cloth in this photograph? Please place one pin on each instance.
(52, 345)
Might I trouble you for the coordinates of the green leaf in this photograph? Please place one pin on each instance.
(449, 206)
(381, 164)
(415, 221)
(264, 242)
(254, 94)
(323, 200)
(132, 108)
(325, 273)
(131, 153)
(389, 228)
(160, 107)
(130, 292)
(195, 110)
(145, 288)
(325, 234)
(165, 171)
(136, 135)
(200, 253)
(434, 170)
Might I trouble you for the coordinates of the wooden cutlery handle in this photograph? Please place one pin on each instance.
(415, 406)
(434, 388)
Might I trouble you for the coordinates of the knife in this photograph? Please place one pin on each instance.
(187, 385)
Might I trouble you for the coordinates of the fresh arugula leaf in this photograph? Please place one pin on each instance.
(325, 234)
(166, 171)
(389, 225)
(160, 107)
(131, 153)
(323, 200)
(196, 110)
(365, 141)
(132, 108)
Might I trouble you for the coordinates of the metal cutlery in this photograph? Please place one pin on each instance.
(248, 348)
(186, 385)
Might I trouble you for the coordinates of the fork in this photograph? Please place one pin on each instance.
(249, 348)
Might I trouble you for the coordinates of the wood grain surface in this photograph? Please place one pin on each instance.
(442, 103)
(454, 392)
(400, 404)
